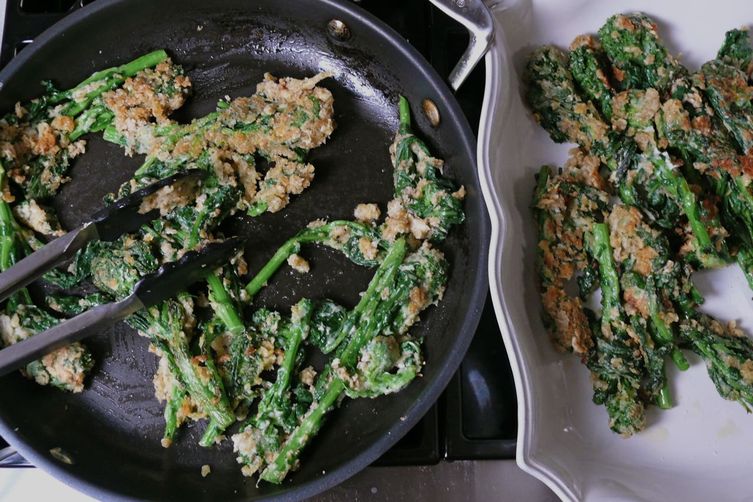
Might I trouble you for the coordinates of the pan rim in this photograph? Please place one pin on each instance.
(473, 302)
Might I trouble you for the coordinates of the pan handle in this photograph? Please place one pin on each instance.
(477, 19)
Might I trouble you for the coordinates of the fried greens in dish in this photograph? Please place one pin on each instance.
(657, 188)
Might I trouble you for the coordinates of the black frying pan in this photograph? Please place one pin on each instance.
(112, 430)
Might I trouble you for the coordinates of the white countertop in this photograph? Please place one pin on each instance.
(498, 480)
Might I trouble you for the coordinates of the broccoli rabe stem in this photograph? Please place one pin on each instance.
(662, 331)
(276, 471)
(109, 78)
(242, 368)
(612, 311)
(164, 324)
(257, 208)
(208, 393)
(205, 392)
(352, 329)
(677, 187)
(7, 236)
(93, 119)
(610, 281)
(679, 359)
(291, 246)
(404, 107)
(664, 398)
(174, 402)
(7, 228)
(260, 280)
(224, 306)
(128, 69)
(298, 331)
(374, 315)
(275, 405)
(214, 430)
(745, 261)
(545, 225)
(333, 387)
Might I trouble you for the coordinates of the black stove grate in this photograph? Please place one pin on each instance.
(476, 417)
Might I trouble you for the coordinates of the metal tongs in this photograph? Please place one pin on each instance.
(108, 224)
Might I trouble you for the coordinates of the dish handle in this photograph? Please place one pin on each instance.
(476, 17)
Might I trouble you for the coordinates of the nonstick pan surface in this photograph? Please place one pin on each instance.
(112, 430)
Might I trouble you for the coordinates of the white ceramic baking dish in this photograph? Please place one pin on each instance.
(702, 449)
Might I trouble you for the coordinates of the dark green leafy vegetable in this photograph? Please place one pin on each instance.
(65, 368)
(53, 123)
(728, 354)
(373, 354)
(678, 148)
(169, 328)
(219, 360)
(326, 320)
(638, 57)
(72, 305)
(559, 109)
(432, 201)
(289, 450)
(567, 117)
(660, 187)
(589, 68)
(736, 50)
(116, 267)
(341, 235)
(728, 92)
(276, 415)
